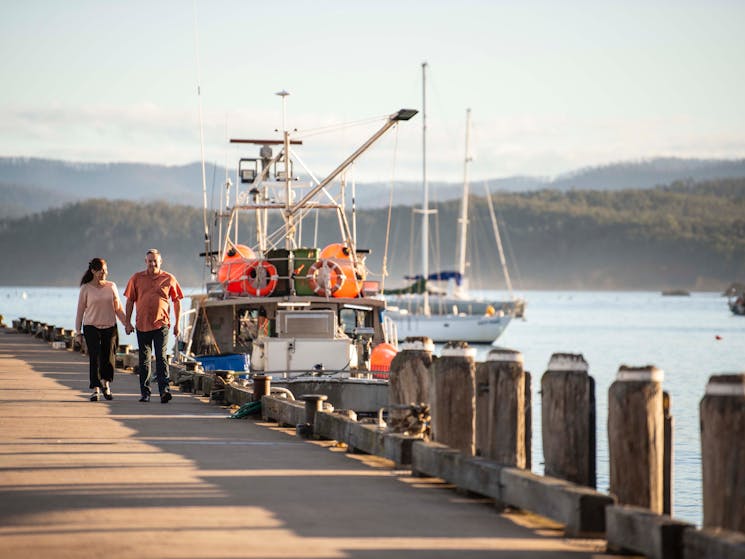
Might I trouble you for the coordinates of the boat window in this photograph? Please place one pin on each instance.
(354, 318)
(348, 320)
(248, 327)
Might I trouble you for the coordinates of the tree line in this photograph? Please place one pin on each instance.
(683, 235)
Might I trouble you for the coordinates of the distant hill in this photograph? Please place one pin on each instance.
(28, 185)
(688, 235)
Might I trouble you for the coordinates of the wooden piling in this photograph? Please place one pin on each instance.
(453, 398)
(667, 466)
(636, 437)
(500, 408)
(568, 419)
(528, 421)
(409, 380)
(722, 416)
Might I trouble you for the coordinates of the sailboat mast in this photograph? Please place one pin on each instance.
(497, 237)
(463, 230)
(425, 191)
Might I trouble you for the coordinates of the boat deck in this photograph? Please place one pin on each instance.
(130, 479)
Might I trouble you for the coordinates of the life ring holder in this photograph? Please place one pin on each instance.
(325, 277)
(260, 279)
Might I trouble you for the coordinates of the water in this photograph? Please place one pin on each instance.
(689, 338)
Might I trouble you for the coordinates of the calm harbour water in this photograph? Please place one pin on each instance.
(689, 338)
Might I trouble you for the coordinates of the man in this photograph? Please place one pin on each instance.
(150, 290)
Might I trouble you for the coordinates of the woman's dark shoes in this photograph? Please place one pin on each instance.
(165, 397)
(107, 390)
(94, 397)
(145, 398)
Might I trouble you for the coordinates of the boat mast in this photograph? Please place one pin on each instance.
(498, 238)
(463, 230)
(290, 225)
(425, 200)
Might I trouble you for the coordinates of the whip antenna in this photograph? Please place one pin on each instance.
(207, 252)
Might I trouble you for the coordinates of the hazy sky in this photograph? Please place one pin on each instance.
(553, 85)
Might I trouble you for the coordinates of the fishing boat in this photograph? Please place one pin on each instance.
(304, 315)
(447, 312)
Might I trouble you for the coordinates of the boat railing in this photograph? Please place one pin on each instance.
(390, 331)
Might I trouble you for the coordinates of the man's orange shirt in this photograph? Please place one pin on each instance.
(150, 293)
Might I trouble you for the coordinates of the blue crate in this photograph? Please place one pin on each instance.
(225, 362)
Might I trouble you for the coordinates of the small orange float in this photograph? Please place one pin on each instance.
(380, 359)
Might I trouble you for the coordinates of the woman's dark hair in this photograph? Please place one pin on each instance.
(93, 266)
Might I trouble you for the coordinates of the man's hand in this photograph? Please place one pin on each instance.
(175, 330)
(128, 329)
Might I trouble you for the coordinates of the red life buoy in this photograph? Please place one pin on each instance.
(260, 279)
(325, 277)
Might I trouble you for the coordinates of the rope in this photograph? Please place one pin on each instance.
(416, 421)
(339, 126)
(384, 271)
(249, 408)
(209, 328)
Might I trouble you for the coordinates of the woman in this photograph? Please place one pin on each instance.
(98, 307)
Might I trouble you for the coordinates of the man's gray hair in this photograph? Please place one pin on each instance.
(154, 251)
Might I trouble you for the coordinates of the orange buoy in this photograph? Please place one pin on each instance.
(381, 357)
(335, 250)
(353, 280)
(260, 278)
(233, 267)
(353, 276)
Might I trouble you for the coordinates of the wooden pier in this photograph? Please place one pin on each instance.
(129, 479)
(391, 494)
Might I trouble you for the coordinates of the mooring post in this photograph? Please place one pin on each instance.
(313, 404)
(409, 380)
(528, 421)
(262, 387)
(453, 397)
(722, 416)
(504, 408)
(636, 437)
(667, 466)
(568, 419)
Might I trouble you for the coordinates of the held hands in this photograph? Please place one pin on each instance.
(128, 329)
(175, 330)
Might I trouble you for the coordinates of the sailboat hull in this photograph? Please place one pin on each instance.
(446, 328)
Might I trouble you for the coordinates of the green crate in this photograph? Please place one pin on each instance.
(304, 259)
(279, 257)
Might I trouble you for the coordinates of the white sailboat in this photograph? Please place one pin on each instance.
(450, 314)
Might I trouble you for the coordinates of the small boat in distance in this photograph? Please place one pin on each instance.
(736, 298)
(676, 293)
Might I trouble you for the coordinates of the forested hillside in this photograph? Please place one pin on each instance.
(688, 234)
(30, 185)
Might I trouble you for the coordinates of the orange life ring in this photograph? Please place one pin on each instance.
(325, 277)
(260, 279)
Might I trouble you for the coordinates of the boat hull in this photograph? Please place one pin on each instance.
(445, 305)
(447, 328)
(738, 309)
